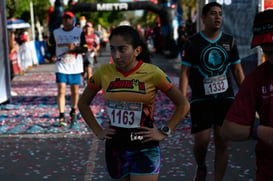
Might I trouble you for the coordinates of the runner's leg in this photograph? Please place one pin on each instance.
(221, 155)
(201, 141)
(61, 102)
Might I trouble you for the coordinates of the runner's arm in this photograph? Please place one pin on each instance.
(87, 114)
(182, 107)
(234, 131)
(82, 48)
(184, 79)
(238, 73)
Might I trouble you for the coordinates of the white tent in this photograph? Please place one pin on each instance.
(17, 24)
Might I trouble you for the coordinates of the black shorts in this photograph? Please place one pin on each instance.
(88, 59)
(208, 113)
(127, 154)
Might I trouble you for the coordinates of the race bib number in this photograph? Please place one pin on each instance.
(124, 114)
(68, 58)
(215, 85)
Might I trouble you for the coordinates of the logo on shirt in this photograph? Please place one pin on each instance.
(133, 85)
(214, 60)
(267, 90)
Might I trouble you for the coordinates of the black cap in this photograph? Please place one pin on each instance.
(263, 28)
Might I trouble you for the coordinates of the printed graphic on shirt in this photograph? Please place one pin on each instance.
(69, 63)
(210, 58)
(133, 85)
(210, 62)
(214, 59)
(267, 91)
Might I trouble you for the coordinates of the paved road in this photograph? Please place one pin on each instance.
(80, 156)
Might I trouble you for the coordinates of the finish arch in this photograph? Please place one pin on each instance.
(163, 12)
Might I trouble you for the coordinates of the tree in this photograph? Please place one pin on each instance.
(189, 7)
(21, 9)
(106, 19)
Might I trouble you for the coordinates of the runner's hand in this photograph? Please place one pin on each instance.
(151, 134)
(106, 133)
(53, 58)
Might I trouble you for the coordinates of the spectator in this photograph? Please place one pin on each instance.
(255, 96)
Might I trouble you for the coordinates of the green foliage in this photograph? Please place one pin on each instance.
(148, 19)
(189, 7)
(21, 9)
(10, 8)
(105, 19)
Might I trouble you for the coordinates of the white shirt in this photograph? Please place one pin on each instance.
(68, 63)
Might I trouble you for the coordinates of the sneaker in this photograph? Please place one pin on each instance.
(73, 118)
(13, 93)
(62, 122)
(200, 174)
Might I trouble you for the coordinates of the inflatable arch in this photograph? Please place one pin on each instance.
(165, 12)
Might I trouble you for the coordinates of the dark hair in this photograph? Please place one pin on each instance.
(133, 37)
(208, 6)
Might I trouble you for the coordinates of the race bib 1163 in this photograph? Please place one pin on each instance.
(124, 114)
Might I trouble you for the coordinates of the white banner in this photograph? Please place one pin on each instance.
(4, 61)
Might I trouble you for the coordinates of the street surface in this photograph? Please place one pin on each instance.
(44, 153)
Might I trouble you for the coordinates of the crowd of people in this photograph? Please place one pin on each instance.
(130, 84)
(208, 58)
(23, 53)
(26, 53)
(155, 37)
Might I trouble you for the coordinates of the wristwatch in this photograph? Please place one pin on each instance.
(166, 131)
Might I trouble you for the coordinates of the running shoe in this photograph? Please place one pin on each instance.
(200, 174)
(73, 118)
(62, 122)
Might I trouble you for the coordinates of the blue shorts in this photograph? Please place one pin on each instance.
(69, 79)
(121, 163)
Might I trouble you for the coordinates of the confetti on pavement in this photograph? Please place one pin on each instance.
(34, 146)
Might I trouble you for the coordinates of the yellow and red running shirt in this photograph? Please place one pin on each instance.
(129, 95)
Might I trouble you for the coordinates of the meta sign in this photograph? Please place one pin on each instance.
(112, 6)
